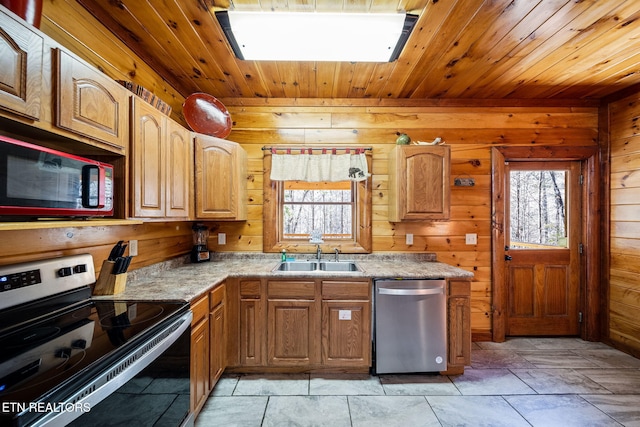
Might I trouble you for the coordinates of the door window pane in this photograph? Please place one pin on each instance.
(537, 211)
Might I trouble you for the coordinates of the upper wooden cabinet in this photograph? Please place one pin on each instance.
(419, 182)
(160, 165)
(20, 68)
(179, 171)
(90, 103)
(221, 179)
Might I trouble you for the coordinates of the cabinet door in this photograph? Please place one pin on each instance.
(91, 104)
(218, 341)
(179, 161)
(221, 185)
(148, 161)
(21, 68)
(346, 333)
(251, 332)
(419, 183)
(292, 335)
(459, 323)
(199, 364)
(199, 353)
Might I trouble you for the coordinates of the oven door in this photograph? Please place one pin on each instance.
(148, 387)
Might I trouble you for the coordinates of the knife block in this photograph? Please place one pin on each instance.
(108, 283)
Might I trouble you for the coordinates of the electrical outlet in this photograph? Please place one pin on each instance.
(133, 247)
(471, 239)
(409, 239)
(222, 239)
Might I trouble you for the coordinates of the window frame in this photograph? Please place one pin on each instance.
(272, 211)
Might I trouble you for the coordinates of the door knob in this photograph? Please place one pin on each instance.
(507, 258)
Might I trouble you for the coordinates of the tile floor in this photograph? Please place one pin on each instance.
(522, 382)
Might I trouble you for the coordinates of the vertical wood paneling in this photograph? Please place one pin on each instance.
(624, 288)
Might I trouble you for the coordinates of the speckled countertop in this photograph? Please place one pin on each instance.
(180, 280)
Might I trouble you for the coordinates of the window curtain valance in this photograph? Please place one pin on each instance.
(324, 166)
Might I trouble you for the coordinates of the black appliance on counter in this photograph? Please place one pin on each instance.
(200, 250)
(68, 359)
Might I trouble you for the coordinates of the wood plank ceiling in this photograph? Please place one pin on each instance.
(467, 49)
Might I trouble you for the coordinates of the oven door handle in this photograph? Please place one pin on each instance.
(118, 373)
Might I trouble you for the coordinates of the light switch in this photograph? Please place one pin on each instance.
(471, 239)
(222, 239)
(409, 239)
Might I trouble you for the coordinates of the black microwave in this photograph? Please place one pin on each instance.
(40, 182)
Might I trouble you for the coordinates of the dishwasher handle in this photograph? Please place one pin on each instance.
(410, 292)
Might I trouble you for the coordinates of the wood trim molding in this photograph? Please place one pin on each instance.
(590, 236)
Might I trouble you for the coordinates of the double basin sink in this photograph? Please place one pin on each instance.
(319, 266)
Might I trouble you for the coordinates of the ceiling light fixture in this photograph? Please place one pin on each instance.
(316, 36)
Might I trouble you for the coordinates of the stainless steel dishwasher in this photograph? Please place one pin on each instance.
(410, 325)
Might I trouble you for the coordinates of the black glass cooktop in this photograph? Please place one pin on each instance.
(43, 357)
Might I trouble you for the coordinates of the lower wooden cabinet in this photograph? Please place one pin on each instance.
(208, 344)
(218, 334)
(293, 323)
(200, 386)
(300, 323)
(459, 325)
(250, 342)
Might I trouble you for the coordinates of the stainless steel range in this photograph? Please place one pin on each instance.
(66, 359)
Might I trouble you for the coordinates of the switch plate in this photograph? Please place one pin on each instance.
(222, 239)
(471, 239)
(409, 239)
(133, 247)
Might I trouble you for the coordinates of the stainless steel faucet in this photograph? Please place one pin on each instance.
(318, 252)
(337, 251)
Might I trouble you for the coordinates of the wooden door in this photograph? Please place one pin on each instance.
(252, 323)
(542, 247)
(221, 186)
(179, 161)
(346, 335)
(419, 182)
(21, 64)
(292, 336)
(89, 103)
(199, 353)
(148, 165)
(218, 335)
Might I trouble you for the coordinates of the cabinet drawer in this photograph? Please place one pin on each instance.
(291, 289)
(459, 288)
(250, 289)
(345, 290)
(217, 296)
(200, 310)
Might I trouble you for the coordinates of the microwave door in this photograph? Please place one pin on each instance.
(43, 182)
(93, 196)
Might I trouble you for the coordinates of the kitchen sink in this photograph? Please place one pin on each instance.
(339, 266)
(297, 266)
(313, 265)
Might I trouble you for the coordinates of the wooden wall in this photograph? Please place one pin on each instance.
(470, 130)
(156, 242)
(624, 272)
